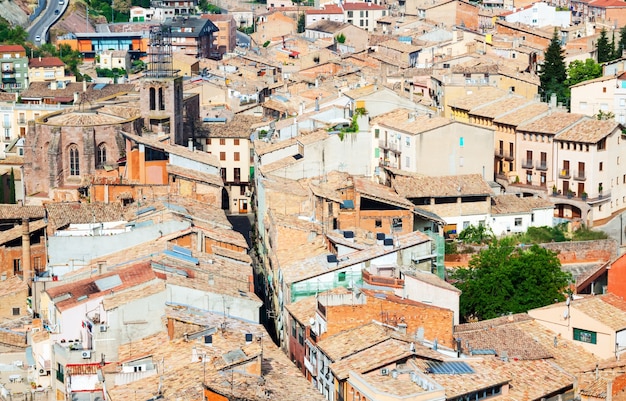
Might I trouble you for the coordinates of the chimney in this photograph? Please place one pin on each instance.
(553, 101)
(190, 145)
(84, 86)
(76, 97)
(26, 251)
(39, 58)
(402, 328)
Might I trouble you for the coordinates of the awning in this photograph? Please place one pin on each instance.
(8, 80)
(63, 99)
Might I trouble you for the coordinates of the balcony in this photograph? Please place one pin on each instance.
(393, 146)
(527, 163)
(580, 175)
(6, 124)
(564, 173)
(371, 279)
(509, 156)
(541, 165)
(21, 121)
(499, 153)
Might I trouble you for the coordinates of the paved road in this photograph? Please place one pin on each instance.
(241, 223)
(42, 24)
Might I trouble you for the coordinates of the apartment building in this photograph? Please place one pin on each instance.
(404, 139)
(14, 67)
(226, 36)
(230, 143)
(44, 69)
(363, 14)
(191, 35)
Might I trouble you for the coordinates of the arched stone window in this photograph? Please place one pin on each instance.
(101, 155)
(161, 100)
(152, 99)
(74, 161)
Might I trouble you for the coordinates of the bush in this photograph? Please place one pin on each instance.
(584, 233)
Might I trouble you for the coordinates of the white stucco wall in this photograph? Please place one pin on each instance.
(63, 249)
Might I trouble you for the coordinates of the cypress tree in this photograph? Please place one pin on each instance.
(553, 73)
(603, 47)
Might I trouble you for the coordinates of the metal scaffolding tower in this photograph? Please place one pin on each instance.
(160, 53)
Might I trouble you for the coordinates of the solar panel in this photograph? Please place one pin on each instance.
(449, 368)
(483, 352)
(180, 249)
(182, 257)
(99, 87)
(107, 283)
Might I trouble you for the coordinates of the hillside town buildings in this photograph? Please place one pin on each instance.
(265, 216)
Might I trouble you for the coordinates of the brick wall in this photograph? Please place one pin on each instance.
(12, 300)
(467, 15)
(567, 252)
(9, 254)
(437, 322)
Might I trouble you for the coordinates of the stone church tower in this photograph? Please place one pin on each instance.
(161, 89)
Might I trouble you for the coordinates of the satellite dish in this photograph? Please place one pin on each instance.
(565, 314)
(312, 321)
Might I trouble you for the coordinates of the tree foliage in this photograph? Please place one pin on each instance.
(479, 234)
(579, 71)
(11, 35)
(341, 38)
(553, 73)
(621, 44)
(505, 279)
(207, 7)
(605, 52)
(301, 22)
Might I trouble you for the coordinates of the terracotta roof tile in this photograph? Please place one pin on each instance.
(182, 379)
(588, 131)
(401, 120)
(12, 48)
(551, 124)
(476, 98)
(522, 114)
(61, 214)
(495, 109)
(14, 212)
(81, 290)
(239, 127)
(445, 186)
(349, 342)
(45, 62)
(509, 204)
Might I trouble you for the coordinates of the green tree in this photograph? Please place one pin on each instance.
(553, 73)
(479, 234)
(579, 71)
(505, 279)
(341, 38)
(11, 35)
(301, 22)
(605, 115)
(621, 45)
(603, 47)
(12, 187)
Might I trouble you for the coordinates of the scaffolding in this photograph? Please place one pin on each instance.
(160, 53)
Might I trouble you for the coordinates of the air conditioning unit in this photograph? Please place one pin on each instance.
(248, 194)
(384, 372)
(43, 372)
(86, 354)
(103, 328)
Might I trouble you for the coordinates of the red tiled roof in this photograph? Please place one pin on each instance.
(329, 9)
(362, 6)
(607, 3)
(130, 277)
(12, 48)
(45, 62)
